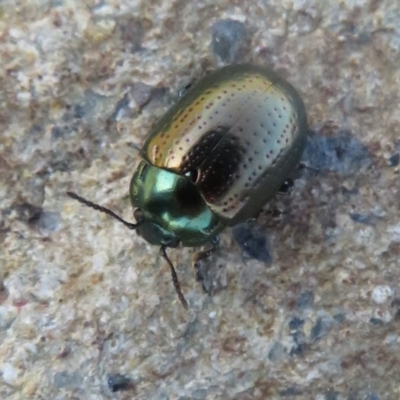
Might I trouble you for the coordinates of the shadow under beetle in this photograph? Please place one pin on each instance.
(215, 159)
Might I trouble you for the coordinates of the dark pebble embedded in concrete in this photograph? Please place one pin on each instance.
(362, 395)
(296, 323)
(27, 212)
(331, 395)
(45, 221)
(118, 382)
(366, 219)
(317, 330)
(57, 132)
(291, 392)
(143, 96)
(340, 318)
(36, 130)
(305, 300)
(320, 329)
(277, 352)
(298, 349)
(4, 293)
(376, 321)
(64, 161)
(253, 240)
(48, 222)
(132, 31)
(300, 343)
(199, 394)
(372, 396)
(394, 160)
(67, 380)
(78, 111)
(141, 93)
(342, 153)
(90, 103)
(228, 37)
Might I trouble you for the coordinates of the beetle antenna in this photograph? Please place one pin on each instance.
(174, 278)
(96, 207)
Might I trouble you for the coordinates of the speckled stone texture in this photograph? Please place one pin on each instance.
(307, 304)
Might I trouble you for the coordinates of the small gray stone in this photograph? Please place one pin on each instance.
(227, 39)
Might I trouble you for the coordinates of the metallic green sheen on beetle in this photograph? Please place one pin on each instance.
(216, 157)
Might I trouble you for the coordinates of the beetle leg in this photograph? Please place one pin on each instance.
(286, 187)
(138, 149)
(302, 165)
(182, 90)
(202, 268)
(174, 276)
(274, 212)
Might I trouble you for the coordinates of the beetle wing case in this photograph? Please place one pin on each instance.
(238, 134)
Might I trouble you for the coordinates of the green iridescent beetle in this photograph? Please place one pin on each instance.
(215, 158)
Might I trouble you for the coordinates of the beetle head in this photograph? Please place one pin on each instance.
(170, 209)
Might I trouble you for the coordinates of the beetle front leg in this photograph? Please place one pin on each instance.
(204, 271)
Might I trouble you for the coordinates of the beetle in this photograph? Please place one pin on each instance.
(215, 159)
